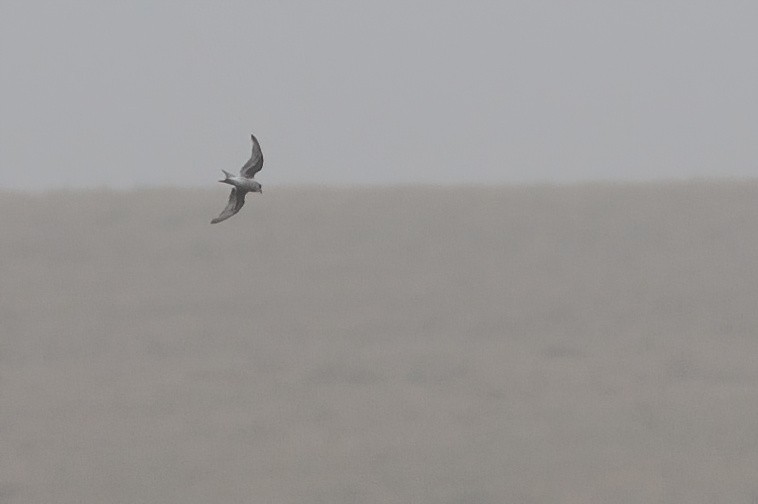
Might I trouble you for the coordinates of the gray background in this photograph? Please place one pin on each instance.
(144, 93)
(522, 343)
(481, 346)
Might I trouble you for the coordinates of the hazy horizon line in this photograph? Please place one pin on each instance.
(669, 181)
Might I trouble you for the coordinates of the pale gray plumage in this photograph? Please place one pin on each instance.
(236, 201)
(255, 163)
(243, 183)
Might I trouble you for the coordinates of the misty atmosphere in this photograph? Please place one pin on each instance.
(146, 93)
(591, 343)
(507, 252)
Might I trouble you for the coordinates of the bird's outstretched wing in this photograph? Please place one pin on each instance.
(236, 201)
(255, 163)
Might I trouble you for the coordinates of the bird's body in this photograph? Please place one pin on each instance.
(242, 183)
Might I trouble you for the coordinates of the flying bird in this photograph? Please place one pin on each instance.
(242, 184)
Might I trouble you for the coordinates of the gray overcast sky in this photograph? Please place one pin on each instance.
(343, 92)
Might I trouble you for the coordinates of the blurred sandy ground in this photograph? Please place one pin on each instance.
(593, 343)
